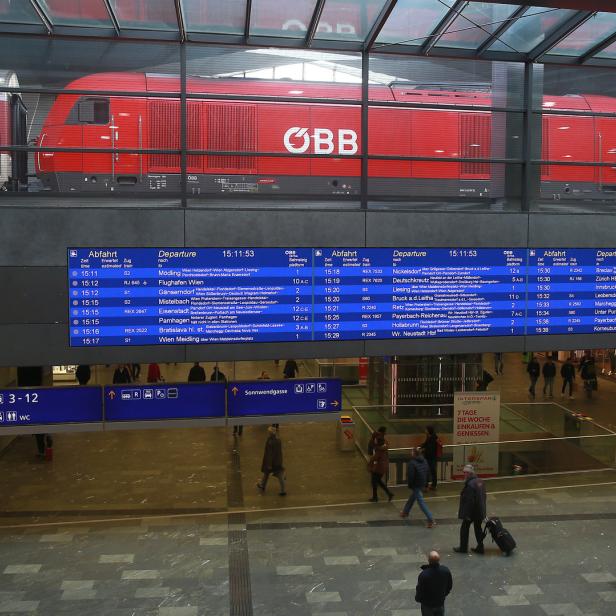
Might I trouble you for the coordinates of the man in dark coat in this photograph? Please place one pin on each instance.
(83, 374)
(567, 371)
(272, 462)
(430, 452)
(549, 372)
(418, 474)
(218, 375)
(472, 510)
(196, 373)
(433, 585)
(534, 370)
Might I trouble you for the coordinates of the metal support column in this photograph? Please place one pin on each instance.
(527, 148)
(183, 124)
(365, 99)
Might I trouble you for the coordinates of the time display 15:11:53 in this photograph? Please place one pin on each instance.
(238, 253)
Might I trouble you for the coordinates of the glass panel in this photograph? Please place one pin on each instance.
(477, 21)
(342, 20)
(290, 73)
(288, 19)
(214, 16)
(597, 28)
(18, 13)
(150, 15)
(99, 65)
(412, 21)
(444, 185)
(608, 52)
(77, 12)
(531, 29)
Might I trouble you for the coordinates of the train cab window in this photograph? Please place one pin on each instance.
(90, 110)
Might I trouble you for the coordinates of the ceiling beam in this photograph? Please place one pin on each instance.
(42, 14)
(314, 22)
(580, 5)
(507, 23)
(112, 16)
(247, 19)
(564, 30)
(440, 29)
(179, 13)
(377, 26)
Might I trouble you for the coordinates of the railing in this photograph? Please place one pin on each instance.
(552, 439)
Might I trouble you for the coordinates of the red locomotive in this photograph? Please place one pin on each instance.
(293, 129)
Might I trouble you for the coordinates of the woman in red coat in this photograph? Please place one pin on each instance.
(379, 463)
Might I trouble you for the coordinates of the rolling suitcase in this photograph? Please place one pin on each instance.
(500, 535)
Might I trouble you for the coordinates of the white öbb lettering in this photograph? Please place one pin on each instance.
(297, 141)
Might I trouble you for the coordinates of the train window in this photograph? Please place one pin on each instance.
(91, 111)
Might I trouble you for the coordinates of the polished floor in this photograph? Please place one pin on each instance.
(170, 523)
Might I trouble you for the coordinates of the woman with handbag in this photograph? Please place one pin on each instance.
(379, 463)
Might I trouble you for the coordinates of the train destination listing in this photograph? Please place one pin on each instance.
(144, 296)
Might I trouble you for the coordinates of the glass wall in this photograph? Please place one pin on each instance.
(204, 126)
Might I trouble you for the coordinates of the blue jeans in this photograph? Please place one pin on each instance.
(417, 495)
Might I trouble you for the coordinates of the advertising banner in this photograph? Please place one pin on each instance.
(476, 417)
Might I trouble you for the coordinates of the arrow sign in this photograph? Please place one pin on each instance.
(335, 403)
(112, 394)
(235, 390)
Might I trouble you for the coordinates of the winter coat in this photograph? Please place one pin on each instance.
(549, 370)
(429, 447)
(121, 375)
(433, 585)
(83, 374)
(533, 368)
(473, 500)
(290, 369)
(418, 473)
(567, 371)
(272, 457)
(196, 374)
(154, 375)
(587, 369)
(218, 376)
(379, 462)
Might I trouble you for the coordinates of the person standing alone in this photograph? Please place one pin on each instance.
(196, 374)
(472, 510)
(433, 585)
(430, 448)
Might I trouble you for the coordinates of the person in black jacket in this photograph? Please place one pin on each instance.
(588, 374)
(429, 447)
(417, 476)
(472, 510)
(196, 374)
(272, 462)
(549, 372)
(433, 585)
(534, 370)
(121, 374)
(83, 374)
(567, 371)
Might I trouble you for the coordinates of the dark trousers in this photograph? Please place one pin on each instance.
(377, 480)
(43, 441)
(533, 383)
(426, 610)
(565, 383)
(432, 466)
(464, 529)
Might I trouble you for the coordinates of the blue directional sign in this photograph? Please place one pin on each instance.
(164, 401)
(288, 397)
(50, 405)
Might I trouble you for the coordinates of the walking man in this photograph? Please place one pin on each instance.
(272, 462)
(418, 475)
(433, 585)
(549, 372)
(472, 510)
(534, 370)
(498, 363)
(567, 371)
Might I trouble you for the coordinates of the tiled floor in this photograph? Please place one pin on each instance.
(170, 523)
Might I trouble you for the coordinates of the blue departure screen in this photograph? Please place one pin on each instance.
(142, 296)
(50, 405)
(284, 397)
(164, 401)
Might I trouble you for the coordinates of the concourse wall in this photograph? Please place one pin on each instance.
(33, 269)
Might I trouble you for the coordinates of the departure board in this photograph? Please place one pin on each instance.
(571, 291)
(155, 296)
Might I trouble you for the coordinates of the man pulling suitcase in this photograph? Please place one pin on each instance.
(472, 510)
